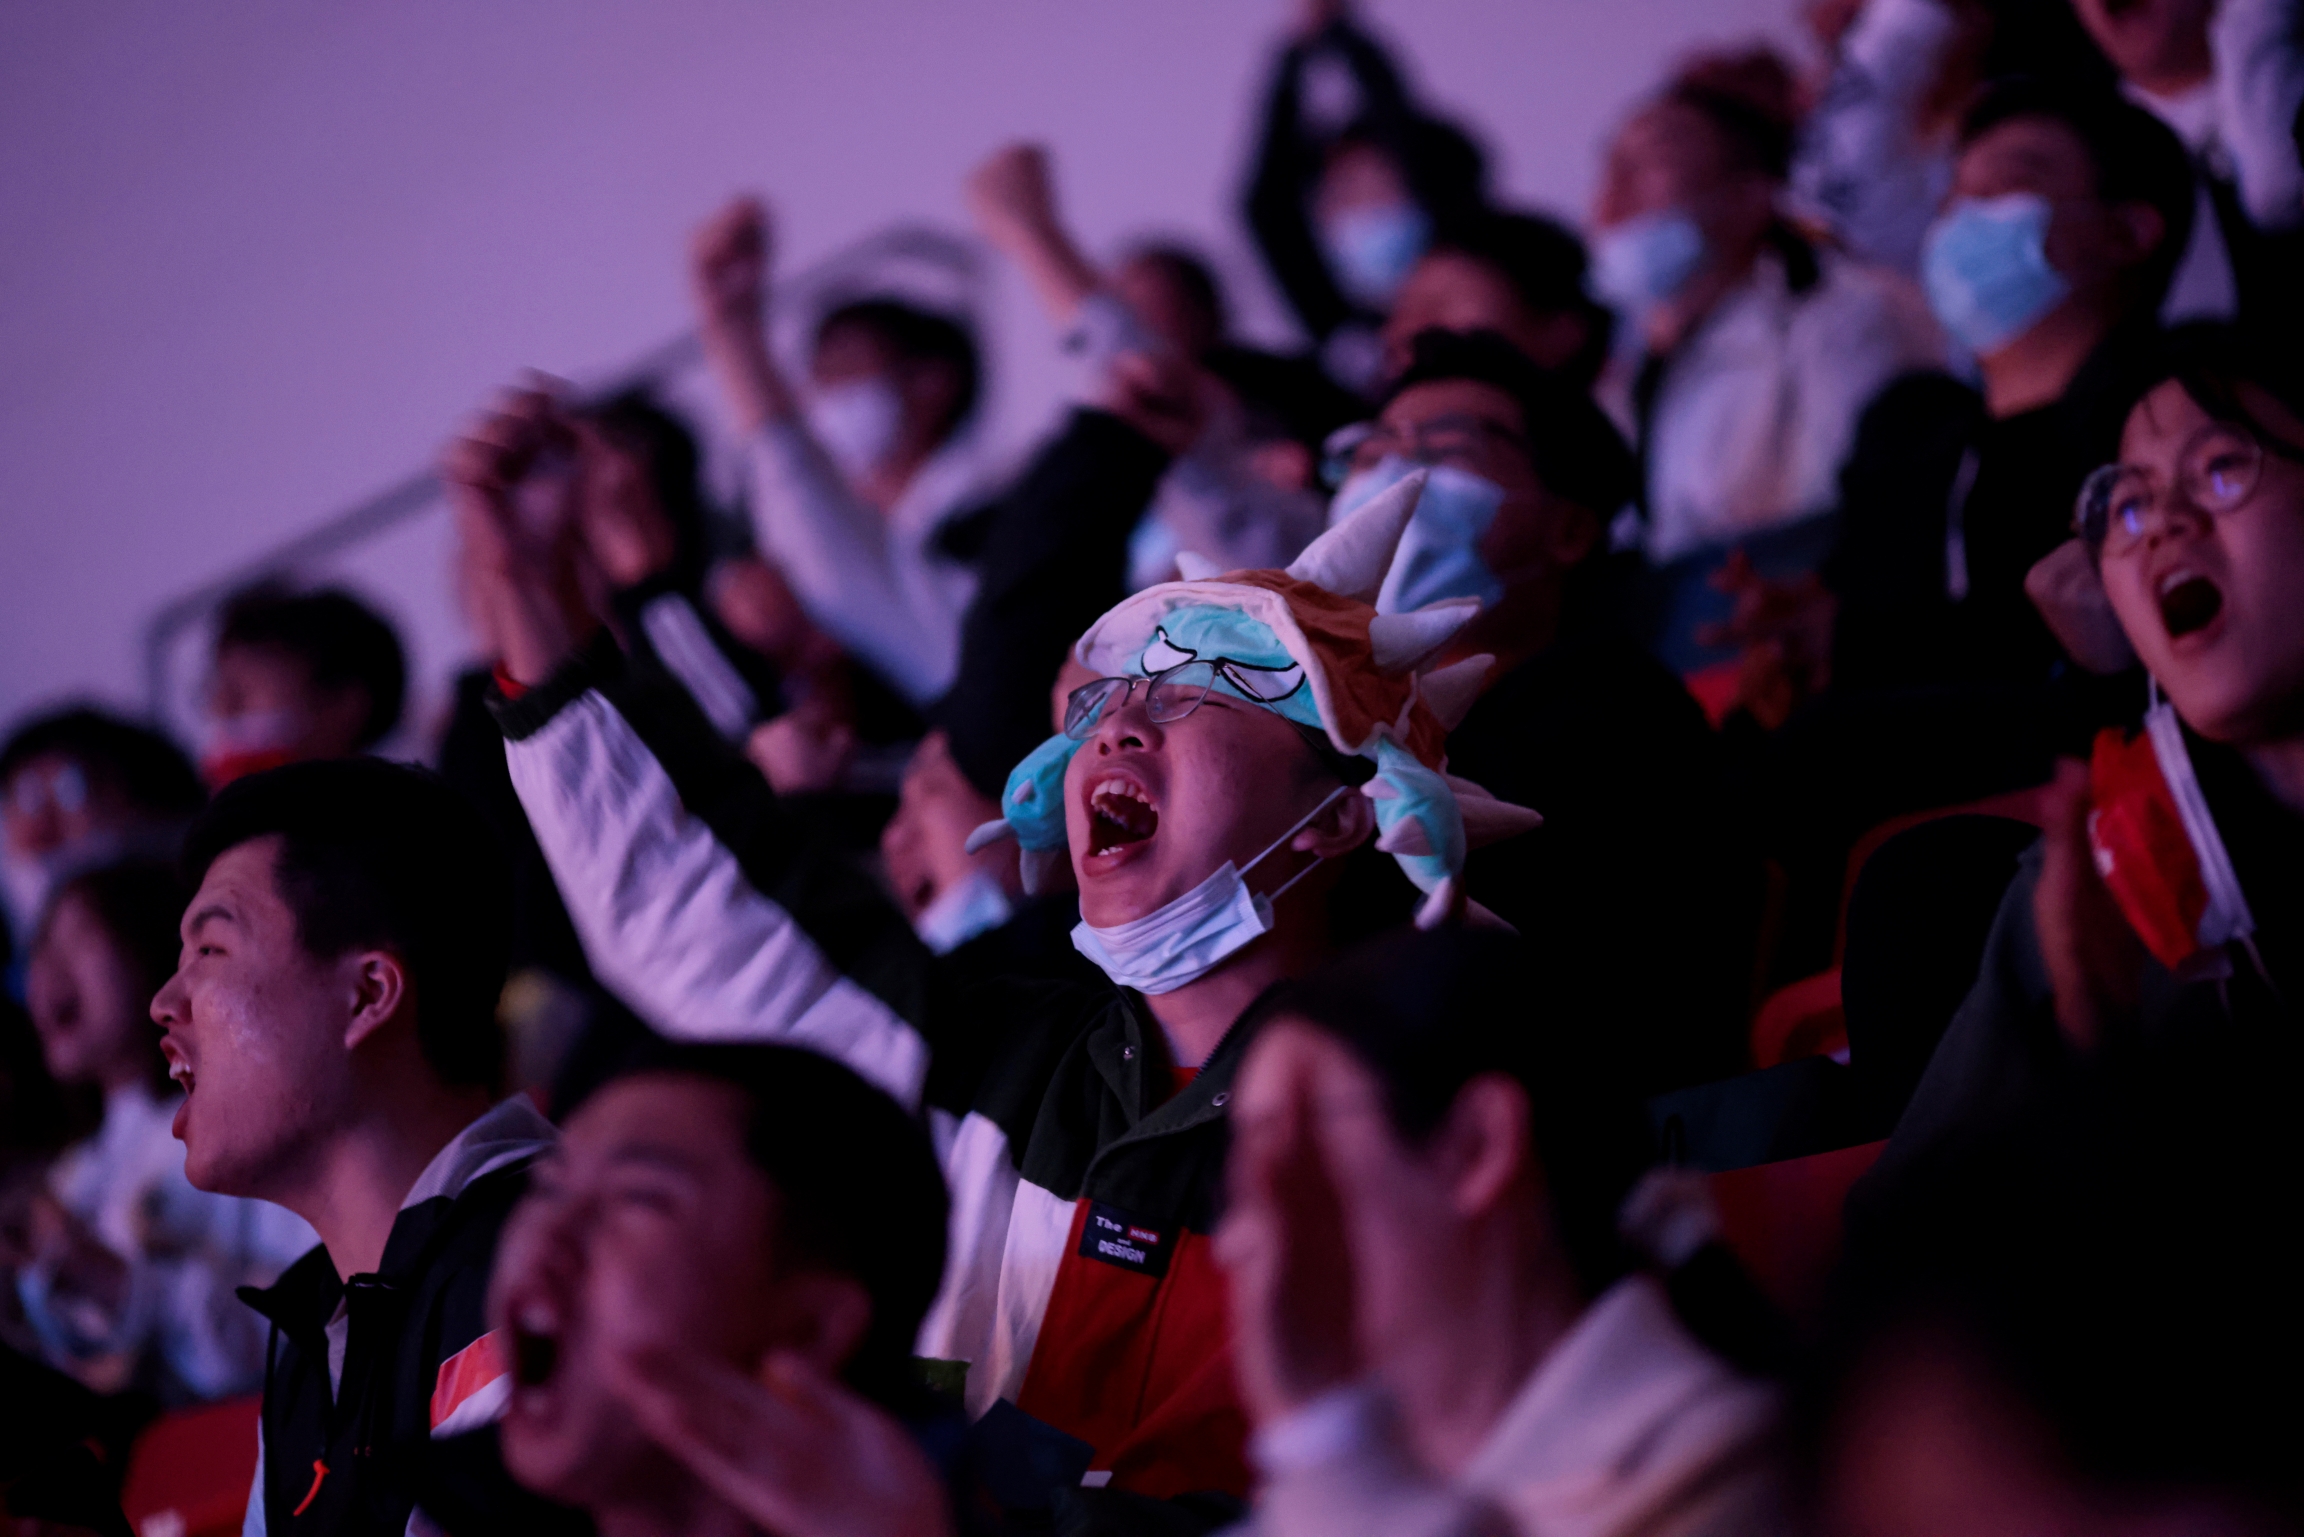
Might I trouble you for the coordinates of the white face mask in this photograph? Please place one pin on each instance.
(857, 423)
(1182, 941)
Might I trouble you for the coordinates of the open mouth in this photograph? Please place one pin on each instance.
(1119, 814)
(535, 1346)
(2188, 602)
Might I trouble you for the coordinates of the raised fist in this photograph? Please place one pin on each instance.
(728, 261)
(1011, 197)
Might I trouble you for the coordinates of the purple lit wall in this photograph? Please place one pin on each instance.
(259, 256)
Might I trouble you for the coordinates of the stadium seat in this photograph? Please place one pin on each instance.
(1801, 1019)
(189, 1473)
(1783, 1221)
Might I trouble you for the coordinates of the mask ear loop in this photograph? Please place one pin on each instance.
(2154, 702)
(1301, 823)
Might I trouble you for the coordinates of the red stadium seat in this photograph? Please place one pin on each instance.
(1715, 688)
(190, 1471)
(1801, 1019)
(1783, 1221)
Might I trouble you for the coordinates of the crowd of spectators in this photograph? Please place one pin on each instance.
(1195, 982)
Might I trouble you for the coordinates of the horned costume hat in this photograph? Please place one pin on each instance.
(1364, 680)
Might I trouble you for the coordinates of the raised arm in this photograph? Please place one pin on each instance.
(707, 907)
(836, 550)
(1014, 205)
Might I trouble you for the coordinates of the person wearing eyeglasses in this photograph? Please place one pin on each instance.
(1638, 855)
(2166, 898)
(1235, 738)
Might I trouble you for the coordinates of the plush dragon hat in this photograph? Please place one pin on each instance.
(1323, 658)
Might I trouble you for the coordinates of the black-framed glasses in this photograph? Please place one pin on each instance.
(1175, 692)
(2216, 471)
(1456, 437)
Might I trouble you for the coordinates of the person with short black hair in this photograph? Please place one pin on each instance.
(1758, 350)
(1435, 1326)
(1521, 275)
(81, 787)
(298, 676)
(332, 1022)
(856, 480)
(1637, 855)
(710, 1292)
(127, 1281)
(1916, 670)
(2067, 212)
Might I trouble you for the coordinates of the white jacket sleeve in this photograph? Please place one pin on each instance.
(2258, 46)
(844, 561)
(667, 916)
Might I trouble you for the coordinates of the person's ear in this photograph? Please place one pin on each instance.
(1342, 826)
(2139, 230)
(1485, 1143)
(1573, 534)
(825, 1316)
(378, 984)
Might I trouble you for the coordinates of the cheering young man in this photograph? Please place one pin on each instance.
(333, 1024)
(1204, 792)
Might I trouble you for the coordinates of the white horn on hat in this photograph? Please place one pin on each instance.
(1350, 559)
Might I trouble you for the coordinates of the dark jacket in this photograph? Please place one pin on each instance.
(1943, 509)
(1638, 858)
(2003, 1049)
(417, 1350)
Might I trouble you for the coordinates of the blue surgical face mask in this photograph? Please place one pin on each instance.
(1439, 555)
(1181, 941)
(1985, 267)
(1371, 250)
(857, 423)
(1648, 260)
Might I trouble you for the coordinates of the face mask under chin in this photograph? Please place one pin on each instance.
(1185, 938)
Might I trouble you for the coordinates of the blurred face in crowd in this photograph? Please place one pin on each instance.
(1536, 536)
(85, 1004)
(1151, 288)
(1153, 809)
(265, 710)
(2161, 45)
(2209, 599)
(1453, 291)
(911, 399)
(1359, 176)
(1930, 1440)
(2092, 244)
(1672, 157)
(648, 1226)
(54, 802)
(254, 1030)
